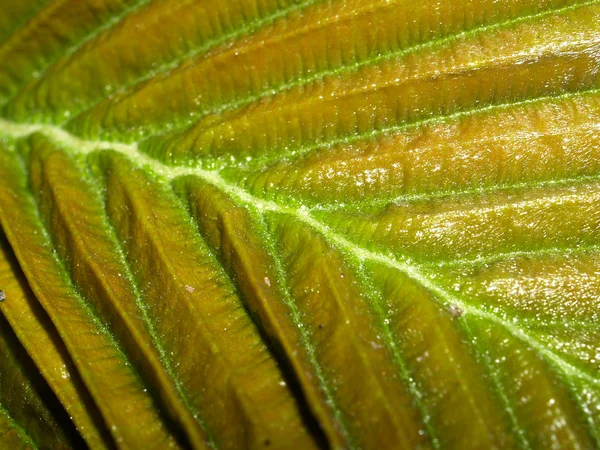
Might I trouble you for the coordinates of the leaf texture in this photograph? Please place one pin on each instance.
(30, 415)
(287, 224)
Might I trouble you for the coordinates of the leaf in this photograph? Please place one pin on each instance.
(30, 414)
(41, 341)
(300, 223)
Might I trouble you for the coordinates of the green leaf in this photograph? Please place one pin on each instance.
(30, 415)
(41, 341)
(300, 224)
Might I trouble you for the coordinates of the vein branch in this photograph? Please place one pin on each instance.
(420, 274)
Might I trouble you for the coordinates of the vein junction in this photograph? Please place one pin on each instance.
(421, 274)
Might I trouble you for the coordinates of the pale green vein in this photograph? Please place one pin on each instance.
(448, 299)
(359, 205)
(496, 257)
(375, 300)
(302, 150)
(87, 308)
(421, 277)
(304, 336)
(128, 275)
(356, 66)
(233, 35)
(417, 273)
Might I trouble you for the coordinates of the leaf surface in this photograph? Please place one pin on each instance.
(306, 224)
(30, 414)
(41, 341)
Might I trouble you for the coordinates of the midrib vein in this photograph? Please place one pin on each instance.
(417, 273)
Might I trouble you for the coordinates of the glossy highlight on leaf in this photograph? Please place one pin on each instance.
(300, 224)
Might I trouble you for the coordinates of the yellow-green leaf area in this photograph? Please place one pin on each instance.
(300, 224)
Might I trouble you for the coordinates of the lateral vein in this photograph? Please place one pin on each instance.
(417, 273)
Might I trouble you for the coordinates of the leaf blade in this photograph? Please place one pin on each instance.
(402, 214)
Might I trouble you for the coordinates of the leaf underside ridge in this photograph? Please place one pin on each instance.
(301, 224)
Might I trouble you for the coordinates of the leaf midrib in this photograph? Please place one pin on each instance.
(417, 273)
